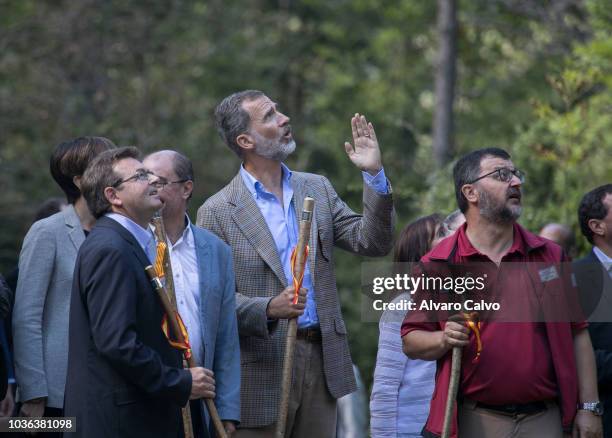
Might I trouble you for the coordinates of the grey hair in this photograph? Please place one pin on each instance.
(232, 120)
(100, 174)
(182, 167)
(445, 227)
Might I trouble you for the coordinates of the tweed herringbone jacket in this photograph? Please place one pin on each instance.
(233, 215)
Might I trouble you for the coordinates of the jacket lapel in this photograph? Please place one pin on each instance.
(253, 226)
(75, 232)
(204, 282)
(138, 251)
(300, 191)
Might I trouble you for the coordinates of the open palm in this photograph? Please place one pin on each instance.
(365, 153)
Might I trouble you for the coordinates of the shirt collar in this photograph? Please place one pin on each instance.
(522, 242)
(255, 187)
(142, 235)
(605, 260)
(186, 237)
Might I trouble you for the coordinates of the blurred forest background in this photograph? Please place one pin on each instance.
(437, 79)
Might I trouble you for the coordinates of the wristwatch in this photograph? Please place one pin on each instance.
(595, 407)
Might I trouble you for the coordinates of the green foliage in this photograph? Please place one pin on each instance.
(150, 73)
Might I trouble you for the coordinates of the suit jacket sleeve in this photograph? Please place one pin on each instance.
(6, 298)
(112, 303)
(227, 349)
(36, 266)
(370, 234)
(600, 334)
(251, 311)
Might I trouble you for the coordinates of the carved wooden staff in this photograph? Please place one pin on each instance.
(473, 324)
(453, 386)
(168, 299)
(301, 255)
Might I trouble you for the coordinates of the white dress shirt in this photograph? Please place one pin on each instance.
(187, 287)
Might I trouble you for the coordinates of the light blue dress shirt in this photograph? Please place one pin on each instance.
(283, 225)
(144, 236)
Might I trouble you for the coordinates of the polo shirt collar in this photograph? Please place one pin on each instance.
(524, 242)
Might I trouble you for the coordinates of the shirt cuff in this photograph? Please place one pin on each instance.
(377, 182)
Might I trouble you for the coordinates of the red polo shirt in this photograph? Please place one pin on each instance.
(519, 362)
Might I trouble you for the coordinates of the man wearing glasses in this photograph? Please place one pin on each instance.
(204, 287)
(124, 378)
(533, 378)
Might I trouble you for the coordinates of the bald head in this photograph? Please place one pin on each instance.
(560, 234)
(176, 170)
(181, 165)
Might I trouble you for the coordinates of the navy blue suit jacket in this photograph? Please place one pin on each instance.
(124, 379)
(596, 295)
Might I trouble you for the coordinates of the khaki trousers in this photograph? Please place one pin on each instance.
(312, 409)
(477, 422)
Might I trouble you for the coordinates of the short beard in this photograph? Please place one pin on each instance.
(499, 214)
(272, 149)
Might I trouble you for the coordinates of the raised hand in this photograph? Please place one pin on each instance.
(365, 153)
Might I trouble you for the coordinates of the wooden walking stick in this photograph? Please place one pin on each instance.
(298, 261)
(163, 269)
(453, 386)
(473, 324)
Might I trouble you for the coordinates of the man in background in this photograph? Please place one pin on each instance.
(204, 287)
(594, 277)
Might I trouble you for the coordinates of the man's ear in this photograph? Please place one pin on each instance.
(598, 227)
(187, 189)
(245, 141)
(470, 192)
(77, 181)
(110, 193)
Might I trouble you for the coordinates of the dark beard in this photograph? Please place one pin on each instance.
(500, 213)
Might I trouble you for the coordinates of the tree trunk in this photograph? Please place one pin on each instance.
(446, 75)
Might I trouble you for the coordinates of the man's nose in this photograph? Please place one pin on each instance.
(283, 119)
(515, 181)
(156, 181)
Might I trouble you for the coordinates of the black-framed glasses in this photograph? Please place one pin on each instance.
(140, 175)
(504, 174)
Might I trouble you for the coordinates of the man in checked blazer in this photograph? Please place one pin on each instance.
(256, 215)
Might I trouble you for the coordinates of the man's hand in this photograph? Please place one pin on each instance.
(229, 427)
(202, 383)
(33, 408)
(7, 405)
(587, 425)
(455, 333)
(282, 307)
(366, 153)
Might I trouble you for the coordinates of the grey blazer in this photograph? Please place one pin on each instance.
(233, 215)
(42, 303)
